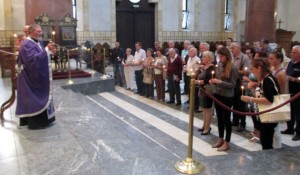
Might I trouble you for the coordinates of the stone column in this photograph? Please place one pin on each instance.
(260, 20)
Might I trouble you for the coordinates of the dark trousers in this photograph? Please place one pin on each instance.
(196, 92)
(295, 117)
(149, 90)
(160, 86)
(266, 135)
(118, 68)
(186, 85)
(224, 117)
(174, 89)
(139, 81)
(240, 106)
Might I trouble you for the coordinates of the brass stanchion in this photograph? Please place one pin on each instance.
(190, 166)
(104, 72)
(92, 59)
(69, 64)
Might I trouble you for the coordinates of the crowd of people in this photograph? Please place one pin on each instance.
(239, 78)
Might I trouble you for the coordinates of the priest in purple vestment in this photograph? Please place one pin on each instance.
(34, 85)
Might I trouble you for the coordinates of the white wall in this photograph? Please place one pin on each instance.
(210, 12)
(294, 19)
(170, 15)
(100, 15)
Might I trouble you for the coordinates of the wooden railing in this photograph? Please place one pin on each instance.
(8, 61)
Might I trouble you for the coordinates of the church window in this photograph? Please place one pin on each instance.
(185, 14)
(74, 9)
(226, 15)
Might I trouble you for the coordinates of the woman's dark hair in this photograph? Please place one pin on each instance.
(225, 52)
(263, 63)
(278, 55)
(160, 50)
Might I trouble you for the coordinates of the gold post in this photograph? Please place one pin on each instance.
(190, 166)
(92, 62)
(70, 80)
(104, 61)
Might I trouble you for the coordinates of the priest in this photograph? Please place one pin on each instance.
(34, 85)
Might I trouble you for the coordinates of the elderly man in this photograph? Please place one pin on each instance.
(293, 76)
(191, 69)
(184, 55)
(171, 44)
(242, 63)
(34, 100)
(203, 46)
(174, 76)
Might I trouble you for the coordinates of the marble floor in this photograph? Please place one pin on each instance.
(120, 133)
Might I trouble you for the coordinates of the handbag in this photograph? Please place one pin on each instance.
(281, 114)
(148, 76)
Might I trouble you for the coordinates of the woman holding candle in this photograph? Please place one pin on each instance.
(203, 81)
(160, 64)
(128, 70)
(148, 74)
(223, 88)
(264, 94)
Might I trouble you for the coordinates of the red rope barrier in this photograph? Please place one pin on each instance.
(249, 113)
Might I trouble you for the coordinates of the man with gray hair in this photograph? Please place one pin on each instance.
(171, 44)
(293, 76)
(242, 63)
(203, 46)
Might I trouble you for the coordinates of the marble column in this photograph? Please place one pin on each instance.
(260, 20)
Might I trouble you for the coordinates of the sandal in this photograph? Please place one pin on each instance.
(254, 139)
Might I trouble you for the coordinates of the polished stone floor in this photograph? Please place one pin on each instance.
(120, 133)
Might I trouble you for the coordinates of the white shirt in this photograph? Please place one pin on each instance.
(192, 65)
(138, 57)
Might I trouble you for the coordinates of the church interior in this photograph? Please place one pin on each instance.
(104, 129)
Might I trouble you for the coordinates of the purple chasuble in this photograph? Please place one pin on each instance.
(34, 84)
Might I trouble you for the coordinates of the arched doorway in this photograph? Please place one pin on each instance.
(135, 22)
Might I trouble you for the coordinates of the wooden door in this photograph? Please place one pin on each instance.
(135, 24)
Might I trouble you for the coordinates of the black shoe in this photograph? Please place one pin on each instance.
(178, 104)
(201, 129)
(187, 102)
(169, 102)
(205, 133)
(167, 90)
(296, 137)
(197, 111)
(287, 132)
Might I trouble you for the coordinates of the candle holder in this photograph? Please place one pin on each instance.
(212, 74)
(242, 87)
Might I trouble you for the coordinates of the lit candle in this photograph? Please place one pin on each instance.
(53, 33)
(212, 74)
(242, 87)
(199, 62)
(216, 66)
(298, 78)
(246, 68)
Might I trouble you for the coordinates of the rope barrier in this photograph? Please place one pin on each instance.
(249, 113)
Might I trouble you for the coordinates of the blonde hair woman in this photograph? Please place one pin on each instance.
(203, 81)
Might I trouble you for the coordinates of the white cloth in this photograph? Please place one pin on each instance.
(277, 137)
(138, 57)
(192, 65)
